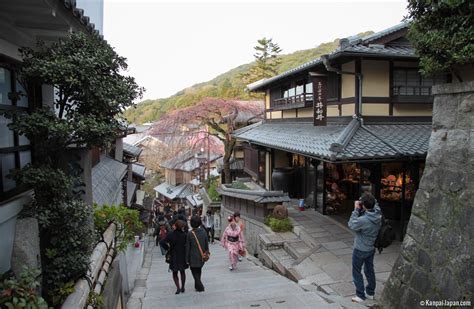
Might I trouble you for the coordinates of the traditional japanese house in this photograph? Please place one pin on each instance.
(23, 23)
(183, 176)
(356, 120)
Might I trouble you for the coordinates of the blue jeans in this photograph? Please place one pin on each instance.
(365, 258)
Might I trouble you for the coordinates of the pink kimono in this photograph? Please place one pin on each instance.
(233, 246)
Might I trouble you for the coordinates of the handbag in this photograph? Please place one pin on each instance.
(168, 257)
(204, 255)
(242, 252)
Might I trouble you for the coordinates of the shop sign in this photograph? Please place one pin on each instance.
(319, 101)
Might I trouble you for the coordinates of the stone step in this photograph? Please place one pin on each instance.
(250, 285)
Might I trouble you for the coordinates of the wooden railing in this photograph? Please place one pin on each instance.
(299, 99)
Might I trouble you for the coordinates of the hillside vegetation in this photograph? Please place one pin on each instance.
(227, 86)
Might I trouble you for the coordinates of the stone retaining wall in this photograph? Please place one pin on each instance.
(436, 259)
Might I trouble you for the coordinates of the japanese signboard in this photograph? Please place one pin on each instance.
(319, 99)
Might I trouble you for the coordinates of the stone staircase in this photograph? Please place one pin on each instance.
(302, 259)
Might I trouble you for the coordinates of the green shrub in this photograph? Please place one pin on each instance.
(127, 220)
(71, 241)
(279, 225)
(22, 293)
(212, 191)
(239, 185)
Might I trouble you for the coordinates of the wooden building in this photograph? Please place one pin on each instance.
(356, 120)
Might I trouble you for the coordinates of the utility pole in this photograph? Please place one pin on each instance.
(208, 155)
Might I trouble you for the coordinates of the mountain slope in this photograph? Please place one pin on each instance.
(227, 85)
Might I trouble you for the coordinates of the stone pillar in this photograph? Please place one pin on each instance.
(436, 258)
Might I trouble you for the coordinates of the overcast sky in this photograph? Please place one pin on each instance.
(175, 44)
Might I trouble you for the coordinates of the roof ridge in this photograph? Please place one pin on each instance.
(385, 32)
(398, 151)
(345, 136)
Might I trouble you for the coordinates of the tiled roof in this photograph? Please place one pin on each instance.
(392, 51)
(381, 34)
(235, 164)
(172, 192)
(355, 46)
(138, 169)
(107, 178)
(188, 162)
(78, 13)
(303, 138)
(262, 196)
(361, 142)
(131, 188)
(131, 150)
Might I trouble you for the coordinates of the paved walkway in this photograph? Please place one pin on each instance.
(329, 267)
(251, 285)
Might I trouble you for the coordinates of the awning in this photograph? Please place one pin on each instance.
(138, 170)
(341, 142)
(171, 192)
(195, 200)
(131, 150)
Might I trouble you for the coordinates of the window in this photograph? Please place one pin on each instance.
(15, 149)
(333, 87)
(251, 161)
(409, 82)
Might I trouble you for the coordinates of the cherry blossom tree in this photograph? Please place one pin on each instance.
(212, 117)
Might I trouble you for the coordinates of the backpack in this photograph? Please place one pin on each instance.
(385, 237)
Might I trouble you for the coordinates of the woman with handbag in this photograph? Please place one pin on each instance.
(197, 251)
(233, 241)
(175, 243)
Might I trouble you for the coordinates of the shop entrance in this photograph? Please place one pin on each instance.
(393, 184)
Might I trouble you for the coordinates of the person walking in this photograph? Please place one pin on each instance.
(365, 221)
(208, 223)
(197, 246)
(233, 241)
(175, 242)
(241, 224)
(162, 230)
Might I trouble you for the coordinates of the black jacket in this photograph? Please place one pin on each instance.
(193, 255)
(176, 242)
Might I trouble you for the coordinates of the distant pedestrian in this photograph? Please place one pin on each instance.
(196, 246)
(208, 223)
(233, 241)
(241, 224)
(175, 242)
(366, 220)
(162, 228)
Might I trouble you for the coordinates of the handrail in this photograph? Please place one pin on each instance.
(299, 98)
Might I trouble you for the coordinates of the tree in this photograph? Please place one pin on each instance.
(266, 61)
(220, 117)
(442, 32)
(91, 93)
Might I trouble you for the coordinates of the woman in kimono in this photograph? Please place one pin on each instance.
(233, 241)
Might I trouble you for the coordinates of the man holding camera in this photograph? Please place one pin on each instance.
(365, 221)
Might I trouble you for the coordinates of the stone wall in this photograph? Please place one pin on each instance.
(436, 259)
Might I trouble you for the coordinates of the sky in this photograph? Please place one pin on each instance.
(171, 45)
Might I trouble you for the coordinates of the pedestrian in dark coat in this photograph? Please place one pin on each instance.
(176, 243)
(193, 253)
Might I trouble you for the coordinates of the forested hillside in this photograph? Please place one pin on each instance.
(227, 85)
